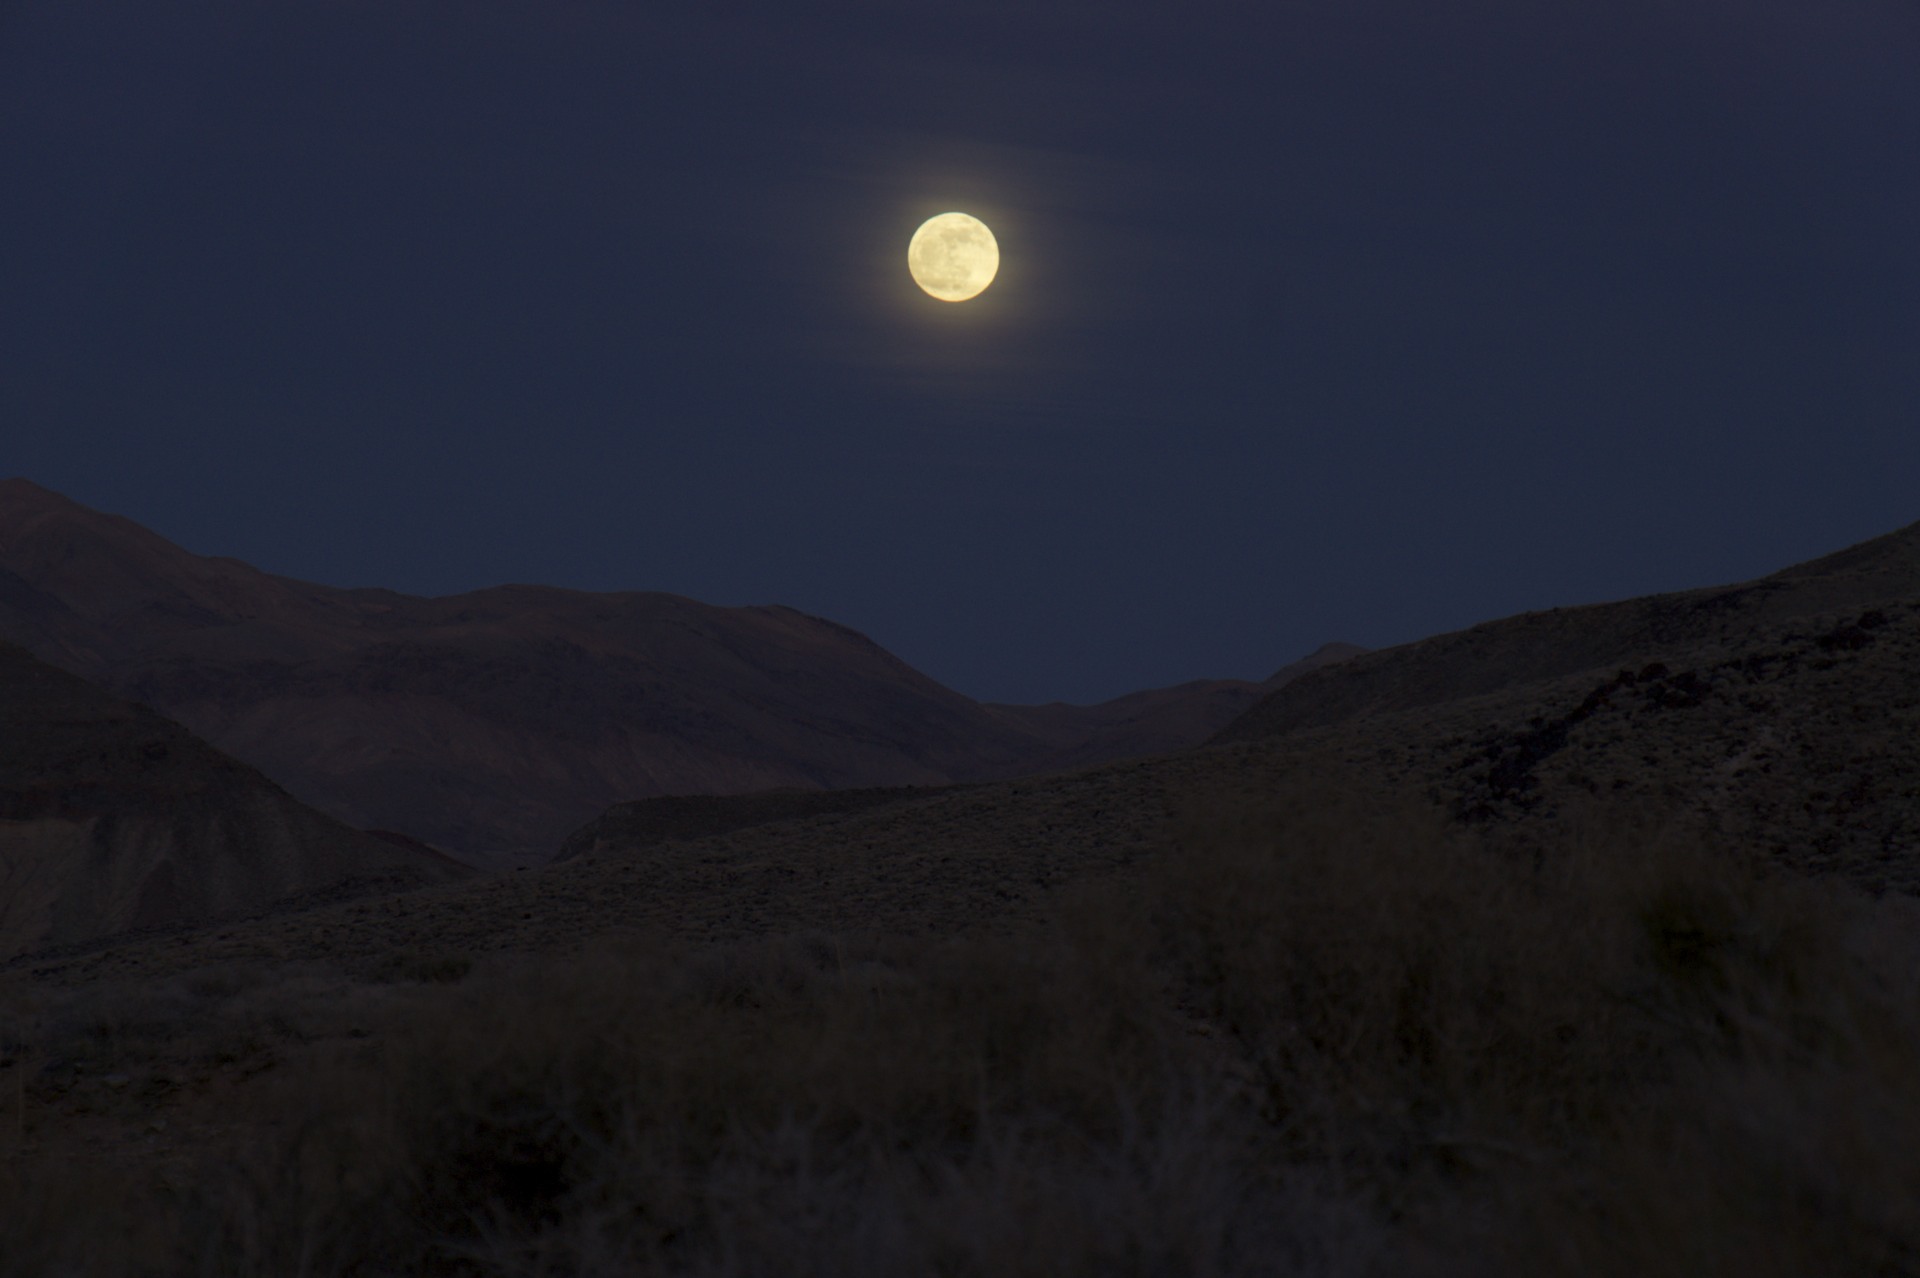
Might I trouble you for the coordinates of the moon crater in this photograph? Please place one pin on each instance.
(953, 256)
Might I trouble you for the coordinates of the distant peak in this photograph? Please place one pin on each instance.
(23, 502)
(1896, 554)
(18, 486)
(1327, 654)
(25, 495)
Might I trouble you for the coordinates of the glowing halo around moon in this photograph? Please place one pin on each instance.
(953, 256)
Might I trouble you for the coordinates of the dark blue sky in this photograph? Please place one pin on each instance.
(1346, 319)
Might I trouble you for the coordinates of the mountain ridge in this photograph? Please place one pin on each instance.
(493, 723)
(1538, 646)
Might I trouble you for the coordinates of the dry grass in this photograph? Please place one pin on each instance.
(1630, 1054)
(1310, 1039)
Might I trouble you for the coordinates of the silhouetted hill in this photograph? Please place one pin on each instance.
(1539, 646)
(1797, 745)
(113, 818)
(1155, 721)
(494, 723)
(1327, 654)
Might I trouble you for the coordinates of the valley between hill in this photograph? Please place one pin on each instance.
(1447, 959)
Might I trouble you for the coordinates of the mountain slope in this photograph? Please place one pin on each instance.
(494, 723)
(1539, 646)
(1798, 745)
(113, 818)
(1155, 721)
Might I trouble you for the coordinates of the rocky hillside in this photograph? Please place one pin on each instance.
(1539, 646)
(115, 819)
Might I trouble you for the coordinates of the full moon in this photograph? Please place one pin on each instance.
(953, 256)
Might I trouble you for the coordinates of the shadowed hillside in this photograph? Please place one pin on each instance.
(1156, 721)
(493, 723)
(1538, 646)
(113, 818)
(1801, 750)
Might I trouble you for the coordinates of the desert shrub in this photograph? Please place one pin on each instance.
(429, 966)
(796, 1105)
(1410, 998)
(1636, 1052)
(78, 1224)
(1789, 1144)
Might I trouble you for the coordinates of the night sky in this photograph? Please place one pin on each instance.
(1351, 319)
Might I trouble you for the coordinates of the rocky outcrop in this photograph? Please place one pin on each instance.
(1539, 646)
